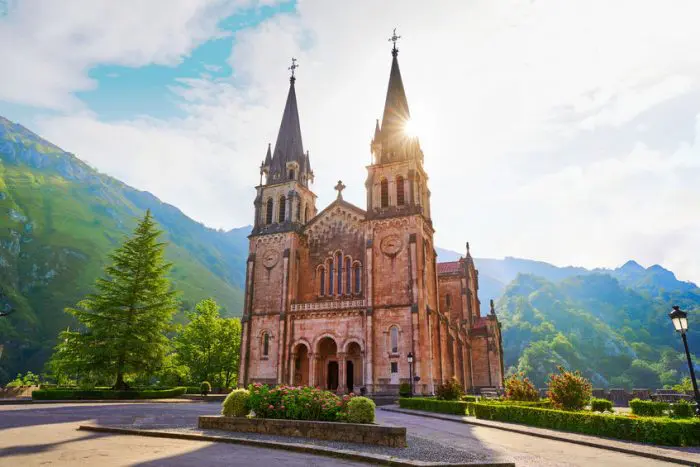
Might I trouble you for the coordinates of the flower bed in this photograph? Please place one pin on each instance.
(656, 430)
(105, 394)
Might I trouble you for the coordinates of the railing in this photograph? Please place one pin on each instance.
(329, 305)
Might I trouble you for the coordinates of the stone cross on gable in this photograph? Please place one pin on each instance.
(340, 187)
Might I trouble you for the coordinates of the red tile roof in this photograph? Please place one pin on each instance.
(448, 268)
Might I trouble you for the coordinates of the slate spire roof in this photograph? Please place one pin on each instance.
(288, 147)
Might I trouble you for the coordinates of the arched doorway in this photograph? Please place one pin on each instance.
(327, 371)
(353, 367)
(301, 365)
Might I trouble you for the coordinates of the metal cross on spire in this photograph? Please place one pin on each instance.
(293, 67)
(393, 39)
(340, 187)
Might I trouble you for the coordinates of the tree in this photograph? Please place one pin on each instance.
(209, 345)
(124, 323)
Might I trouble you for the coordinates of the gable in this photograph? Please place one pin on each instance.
(339, 218)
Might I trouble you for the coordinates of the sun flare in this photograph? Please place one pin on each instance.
(410, 128)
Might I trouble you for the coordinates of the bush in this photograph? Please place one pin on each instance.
(682, 409)
(297, 403)
(361, 410)
(469, 398)
(104, 394)
(449, 390)
(404, 390)
(569, 391)
(543, 404)
(662, 431)
(601, 405)
(194, 390)
(236, 403)
(205, 388)
(520, 388)
(434, 405)
(649, 408)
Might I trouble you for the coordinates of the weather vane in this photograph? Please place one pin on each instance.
(393, 39)
(293, 67)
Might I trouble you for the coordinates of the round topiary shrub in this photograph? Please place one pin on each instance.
(601, 405)
(205, 388)
(404, 390)
(236, 403)
(449, 390)
(520, 388)
(361, 410)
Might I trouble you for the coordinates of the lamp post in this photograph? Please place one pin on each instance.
(409, 357)
(680, 323)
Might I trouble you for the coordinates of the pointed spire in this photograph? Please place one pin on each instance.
(493, 309)
(288, 147)
(396, 112)
(377, 132)
(268, 156)
(307, 162)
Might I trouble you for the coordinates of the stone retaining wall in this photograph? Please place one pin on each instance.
(334, 431)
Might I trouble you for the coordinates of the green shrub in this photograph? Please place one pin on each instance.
(361, 410)
(297, 403)
(193, 390)
(104, 394)
(449, 390)
(520, 388)
(654, 430)
(569, 390)
(434, 405)
(543, 404)
(682, 409)
(205, 388)
(649, 408)
(469, 398)
(236, 403)
(404, 390)
(601, 405)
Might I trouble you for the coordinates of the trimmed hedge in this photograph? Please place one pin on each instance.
(194, 390)
(601, 405)
(98, 394)
(434, 405)
(649, 408)
(683, 409)
(543, 404)
(469, 398)
(654, 430)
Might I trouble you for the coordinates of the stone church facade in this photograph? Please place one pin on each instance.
(339, 298)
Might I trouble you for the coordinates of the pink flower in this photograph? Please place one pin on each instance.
(270, 406)
(339, 403)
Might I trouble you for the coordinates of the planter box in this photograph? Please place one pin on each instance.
(334, 431)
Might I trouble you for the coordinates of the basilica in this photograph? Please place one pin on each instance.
(352, 298)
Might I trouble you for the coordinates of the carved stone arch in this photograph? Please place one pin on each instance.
(322, 336)
(301, 341)
(351, 340)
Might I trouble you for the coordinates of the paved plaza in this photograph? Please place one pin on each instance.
(46, 435)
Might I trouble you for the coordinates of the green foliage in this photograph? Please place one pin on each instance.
(682, 409)
(236, 403)
(685, 386)
(361, 410)
(662, 431)
(469, 398)
(297, 403)
(209, 345)
(601, 405)
(543, 404)
(105, 394)
(124, 323)
(434, 405)
(569, 391)
(205, 388)
(520, 388)
(449, 390)
(649, 408)
(404, 390)
(29, 379)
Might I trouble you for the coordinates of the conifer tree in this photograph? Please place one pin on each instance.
(124, 323)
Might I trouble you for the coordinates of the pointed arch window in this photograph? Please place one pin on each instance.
(269, 210)
(291, 174)
(306, 214)
(348, 276)
(448, 301)
(358, 278)
(384, 192)
(322, 281)
(400, 195)
(339, 266)
(394, 339)
(298, 213)
(330, 278)
(282, 210)
(265, 344)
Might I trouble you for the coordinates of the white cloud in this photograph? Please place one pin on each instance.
(536, 119)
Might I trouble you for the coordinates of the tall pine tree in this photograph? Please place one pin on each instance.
(124, 323)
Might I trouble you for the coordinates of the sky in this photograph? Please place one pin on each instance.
(567, 132)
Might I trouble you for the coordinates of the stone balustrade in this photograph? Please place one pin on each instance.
(328, 305)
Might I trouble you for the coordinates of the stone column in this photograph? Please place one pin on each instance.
(342, 370)
(444, 331)
(367, 356)
(243, 370)
(455, 353)
(292, 368)
(312, 369)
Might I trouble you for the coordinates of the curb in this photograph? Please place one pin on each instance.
(98, 401)
(514, 429)
(376, 459)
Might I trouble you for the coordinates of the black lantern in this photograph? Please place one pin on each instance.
(409, 357)
(680, 323)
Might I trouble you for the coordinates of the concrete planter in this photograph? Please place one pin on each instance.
(334, 431)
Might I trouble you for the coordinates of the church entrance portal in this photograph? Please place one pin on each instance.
(332, 383)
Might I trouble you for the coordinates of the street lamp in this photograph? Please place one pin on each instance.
(680, 323)
(409, 357)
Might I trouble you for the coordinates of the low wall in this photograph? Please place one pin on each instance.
(334, 431)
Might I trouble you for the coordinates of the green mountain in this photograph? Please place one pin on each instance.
(59, 218)
(616, 331)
